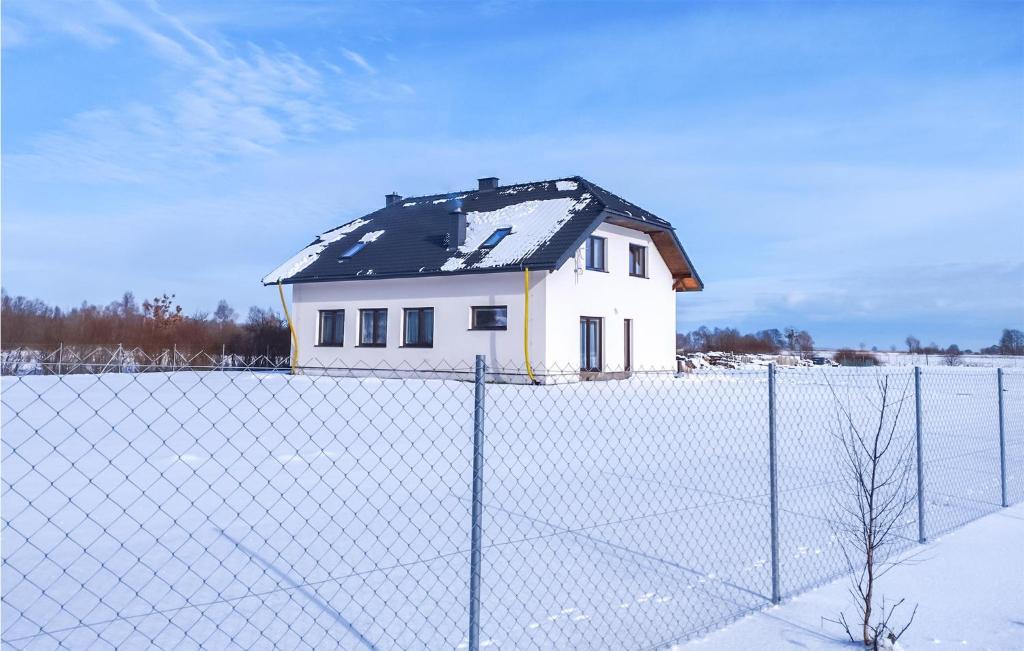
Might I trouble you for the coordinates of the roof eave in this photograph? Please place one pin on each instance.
(683, 279)
(423, 274)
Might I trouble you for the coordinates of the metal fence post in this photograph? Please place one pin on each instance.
(920, 456)
(60, 359)
(478, 504)
(1002, 438)
(773, 471)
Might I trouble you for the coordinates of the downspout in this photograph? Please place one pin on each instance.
(526, 324)
(291, 327)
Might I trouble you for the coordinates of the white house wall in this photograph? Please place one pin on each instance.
(451, 297)
(613, 295)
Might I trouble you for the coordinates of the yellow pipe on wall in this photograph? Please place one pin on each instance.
(526, 324)
(291, 327)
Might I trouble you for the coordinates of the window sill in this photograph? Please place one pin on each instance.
(604, 271)
(416, 346)
(639, 276)
(494, 329)
(329, 346)
(371, 346)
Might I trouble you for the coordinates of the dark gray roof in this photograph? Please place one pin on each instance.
(549, 221)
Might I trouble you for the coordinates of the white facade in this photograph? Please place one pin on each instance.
(558, 300)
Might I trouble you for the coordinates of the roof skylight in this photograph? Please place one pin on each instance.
(495, 238)
(352, 250)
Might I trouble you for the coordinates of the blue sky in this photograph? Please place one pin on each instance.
(854, 169)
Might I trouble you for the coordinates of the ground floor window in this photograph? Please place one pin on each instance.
(332, 328)
(627, 352)
(419, 327)
(373, 327)
(590, 344)
(489, 317)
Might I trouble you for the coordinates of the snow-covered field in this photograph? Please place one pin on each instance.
(984, 361)
(968, 587)
(247, 510)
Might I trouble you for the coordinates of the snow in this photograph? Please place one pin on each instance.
(564, 186)
(254, 510)
(969, 587)
(533, 223)
(311, 253)
(447, 199)
(372, 236)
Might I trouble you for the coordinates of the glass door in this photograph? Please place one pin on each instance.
(590, 344)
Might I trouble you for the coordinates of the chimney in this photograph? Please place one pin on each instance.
(456, 235)
(391, 199)
(488, 183)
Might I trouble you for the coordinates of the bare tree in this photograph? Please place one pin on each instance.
(953, 356)
(804, 343)
(913, 344)
(878, 463)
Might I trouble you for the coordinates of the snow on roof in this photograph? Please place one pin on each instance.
(533, 223)
(563, 186)
(372, 236)
(311, 253)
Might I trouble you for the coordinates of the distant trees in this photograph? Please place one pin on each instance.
(1010, 343)
(913, 344)
(949, 353)
(158, 325)
(730, 340)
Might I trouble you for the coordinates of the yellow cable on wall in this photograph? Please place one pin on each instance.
(526, 324)
(291, 327)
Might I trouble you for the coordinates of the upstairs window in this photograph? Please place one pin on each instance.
(596, 253)
(419, 327)
(638, 260)
(495, 238)
(352, 250)
(332, 328)
(373, 327)
(490, 317)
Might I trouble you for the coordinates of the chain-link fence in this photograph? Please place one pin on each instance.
(217, 506)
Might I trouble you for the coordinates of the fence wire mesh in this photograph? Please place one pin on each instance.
(212, 505)
(1013, 408)
(961, 426)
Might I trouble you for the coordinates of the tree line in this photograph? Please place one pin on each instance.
(1010, 343)
(156, 325)
(730, 340)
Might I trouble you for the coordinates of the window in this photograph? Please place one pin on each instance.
(419, 327)
(352, 250)
(495, 238)
(627, 353)
(590, 344)
(373, 327)
(595, 253)
(332, 328)
(637, 260)
(491, 317)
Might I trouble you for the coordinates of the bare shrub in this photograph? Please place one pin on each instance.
(850, 357)
(953, 356)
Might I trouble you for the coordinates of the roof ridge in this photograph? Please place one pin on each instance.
(464, 193)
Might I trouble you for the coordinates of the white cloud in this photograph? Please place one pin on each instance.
(230, 101)
(359, 60)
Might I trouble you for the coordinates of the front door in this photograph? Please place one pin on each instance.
(590, 344)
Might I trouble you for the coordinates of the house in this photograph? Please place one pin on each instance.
(428, 282)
